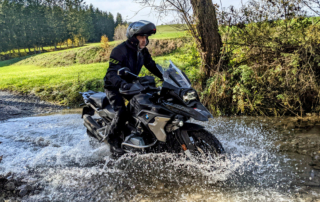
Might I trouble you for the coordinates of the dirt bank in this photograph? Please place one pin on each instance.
(14, 106)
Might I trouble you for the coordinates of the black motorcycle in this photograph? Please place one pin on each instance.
(158, 118)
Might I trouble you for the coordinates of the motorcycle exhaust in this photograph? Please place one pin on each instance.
(92, 126)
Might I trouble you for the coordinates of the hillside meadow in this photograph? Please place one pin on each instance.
(59, 76)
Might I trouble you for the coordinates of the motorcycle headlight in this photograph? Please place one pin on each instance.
(190, 95)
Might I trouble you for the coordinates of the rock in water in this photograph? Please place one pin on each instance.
(290, 126)
(23, 192)
(10, 186)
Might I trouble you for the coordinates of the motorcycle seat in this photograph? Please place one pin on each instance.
(99, 100)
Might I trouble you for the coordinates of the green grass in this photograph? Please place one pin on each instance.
(167, 32)
(60, 84)
(12, 61)
(169, 28)
(168, 35)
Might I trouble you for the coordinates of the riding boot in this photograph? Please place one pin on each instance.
(115, 146)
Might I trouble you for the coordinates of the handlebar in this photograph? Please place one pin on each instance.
(125, 71)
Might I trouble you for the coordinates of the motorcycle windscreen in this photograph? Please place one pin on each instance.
(174, 76)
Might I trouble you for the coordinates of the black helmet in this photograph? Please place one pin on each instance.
(141, 27)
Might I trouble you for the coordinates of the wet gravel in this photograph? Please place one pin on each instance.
(15, 106)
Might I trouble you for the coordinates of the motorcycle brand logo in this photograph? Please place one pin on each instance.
(147, 117)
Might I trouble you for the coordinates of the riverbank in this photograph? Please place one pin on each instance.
(13, 105)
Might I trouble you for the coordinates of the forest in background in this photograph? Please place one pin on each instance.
(30, 25)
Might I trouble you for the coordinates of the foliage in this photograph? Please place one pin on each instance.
(104, 42)
(273, 69)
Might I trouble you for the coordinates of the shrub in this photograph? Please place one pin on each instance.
(273, 69)
(104, 42)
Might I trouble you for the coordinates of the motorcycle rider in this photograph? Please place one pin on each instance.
(132, 54)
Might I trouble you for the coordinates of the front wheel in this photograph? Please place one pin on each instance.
(205, 142)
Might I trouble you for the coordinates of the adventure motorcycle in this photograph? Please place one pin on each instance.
(159, 118)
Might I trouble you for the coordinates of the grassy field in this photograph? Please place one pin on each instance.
(167, 32)
(60, 84)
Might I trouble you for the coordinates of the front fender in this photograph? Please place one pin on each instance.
(191, 127)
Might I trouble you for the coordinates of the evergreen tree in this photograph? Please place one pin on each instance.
(27, 24)
(118, 20)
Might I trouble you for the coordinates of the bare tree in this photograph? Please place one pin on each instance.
(120, 32)
(201, 20)
(262, 10)
(313, 6)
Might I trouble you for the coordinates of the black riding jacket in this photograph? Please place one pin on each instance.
(127, 55)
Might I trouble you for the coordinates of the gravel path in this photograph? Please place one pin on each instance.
(14, 106)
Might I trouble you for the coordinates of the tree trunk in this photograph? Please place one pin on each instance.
(55, 46)
(208, 37)
(29, 50)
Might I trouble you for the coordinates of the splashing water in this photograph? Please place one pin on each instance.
(54, 153)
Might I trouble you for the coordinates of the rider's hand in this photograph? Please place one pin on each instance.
(126, 86)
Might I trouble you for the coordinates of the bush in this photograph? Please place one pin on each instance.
(104, 42)
(273, 69)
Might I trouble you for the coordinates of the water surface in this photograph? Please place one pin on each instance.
(54, 154)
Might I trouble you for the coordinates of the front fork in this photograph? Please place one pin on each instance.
(184, 140)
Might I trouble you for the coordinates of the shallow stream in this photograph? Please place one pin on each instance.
(54, 155)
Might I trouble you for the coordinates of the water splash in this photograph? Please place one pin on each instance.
(60, 159)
